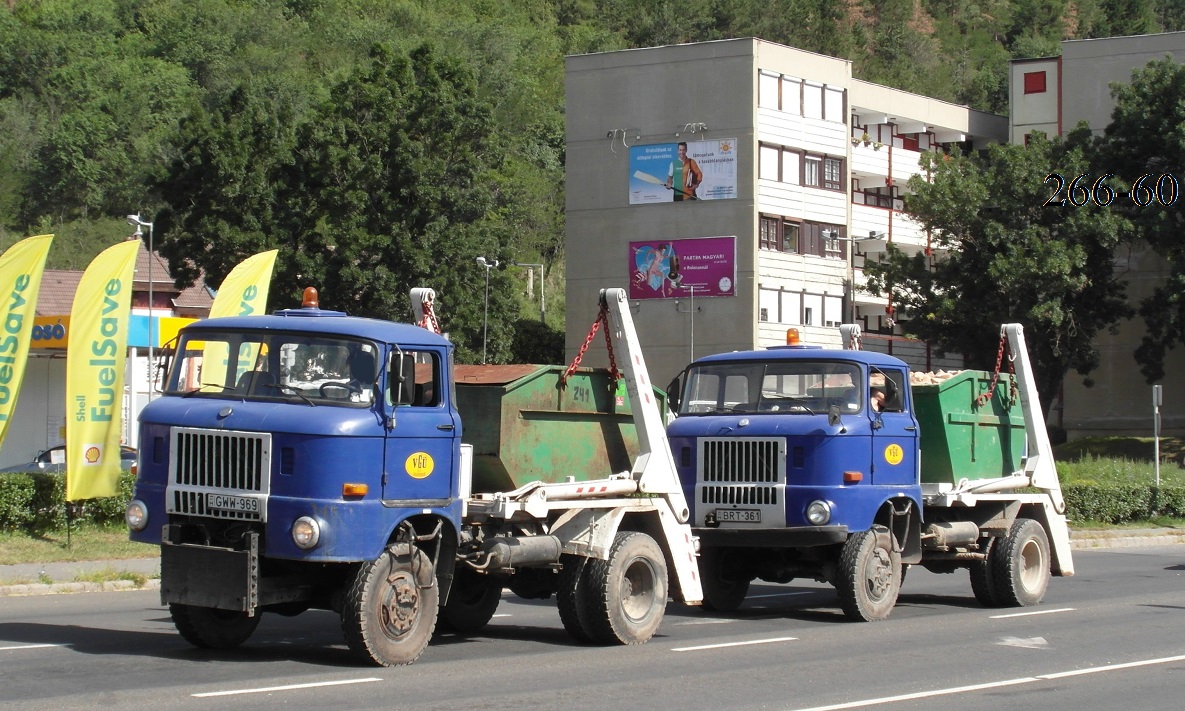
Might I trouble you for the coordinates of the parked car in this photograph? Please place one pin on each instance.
(53, 461)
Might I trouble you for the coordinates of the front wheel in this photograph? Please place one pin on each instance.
(390, 607)
(869, 575)
(1020, 564)
(209, 628)
(627, 594)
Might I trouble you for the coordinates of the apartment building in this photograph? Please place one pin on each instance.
(1053, 94)
(736, 188)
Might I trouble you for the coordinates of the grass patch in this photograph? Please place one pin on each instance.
(1135, 449)
(1110, 471)
(110, 575)
(87, 542)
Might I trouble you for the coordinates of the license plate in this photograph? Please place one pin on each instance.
(226, 502)
(739, 515)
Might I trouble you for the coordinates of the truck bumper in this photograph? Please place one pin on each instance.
(223, 578)
(794, 537)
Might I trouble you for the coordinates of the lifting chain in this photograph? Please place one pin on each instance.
(602, 319)
(429, 321)
(982, 398)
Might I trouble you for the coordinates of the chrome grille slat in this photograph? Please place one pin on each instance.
(742, 472)
(224, 462)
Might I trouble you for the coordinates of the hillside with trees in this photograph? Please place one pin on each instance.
(383, 143)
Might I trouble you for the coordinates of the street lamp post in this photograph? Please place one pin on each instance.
(138, 223)
(542, 296)
(486, 319)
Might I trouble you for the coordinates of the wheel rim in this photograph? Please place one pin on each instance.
(400, 605)
(638, 589)
(878, 574)
(1032, 565)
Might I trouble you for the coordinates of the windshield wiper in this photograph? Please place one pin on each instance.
(197, 390)
(289, 389)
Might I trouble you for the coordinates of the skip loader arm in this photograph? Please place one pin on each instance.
(1039, 466)
(654, 469)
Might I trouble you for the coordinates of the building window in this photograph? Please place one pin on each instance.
(1034, 82)
(791, 167)
(767, 233)
(822, 240)
(769, 158)
(833, 104)
(792, 95)
(832, 173)
(790, 237)
(812, 100)
(767, 90)
(810, 171)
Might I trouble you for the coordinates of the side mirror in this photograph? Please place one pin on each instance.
(675, 393)
(833, 418)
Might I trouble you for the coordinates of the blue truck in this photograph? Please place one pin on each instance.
(802, 462)
(313, 460)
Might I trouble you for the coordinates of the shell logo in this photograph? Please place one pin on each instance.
(419, 465)
(92, 454)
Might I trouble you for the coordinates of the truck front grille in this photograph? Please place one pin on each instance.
(219, 473)
(741, 473)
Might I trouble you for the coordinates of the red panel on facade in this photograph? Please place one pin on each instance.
(1034, 82)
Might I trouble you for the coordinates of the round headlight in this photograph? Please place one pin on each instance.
(818, 512)
(136, 515)
(306, 532)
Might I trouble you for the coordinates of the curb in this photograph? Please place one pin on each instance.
(68, 588)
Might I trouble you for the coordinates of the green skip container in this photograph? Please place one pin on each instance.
(525, 428)
(962, 440)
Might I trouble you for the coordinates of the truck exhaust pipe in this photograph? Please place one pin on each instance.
(512, 552)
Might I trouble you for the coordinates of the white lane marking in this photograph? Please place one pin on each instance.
(290, 687)
(29, 646)
(1029, 614)
(995, 684)
(1024, 642)
(733, 644)
(712, 621)
(503, 614)
(785, 594)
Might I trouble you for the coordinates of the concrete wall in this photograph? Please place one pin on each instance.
(1090, 66)
(1034, 112)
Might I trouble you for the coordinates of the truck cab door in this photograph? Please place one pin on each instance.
(423, 434)
(894, 431)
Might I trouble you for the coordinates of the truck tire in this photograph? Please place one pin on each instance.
(391, 606)
(724, 591)
(1020, 564)
(869, 576)
(627, 594)
(982, 581)
(472, 602)
(572, 597)
(209, 628)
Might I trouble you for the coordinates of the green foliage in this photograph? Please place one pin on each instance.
(36, 502)
(536, 342)
(1146, 136)
(1007, 258)
(1119, 503)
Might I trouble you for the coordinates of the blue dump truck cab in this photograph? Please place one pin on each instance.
(800, 462)
(284, 451)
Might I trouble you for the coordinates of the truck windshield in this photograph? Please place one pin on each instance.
(269, 366)
(794, 387)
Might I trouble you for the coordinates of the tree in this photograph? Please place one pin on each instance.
(1146, 137)
(1006, 257)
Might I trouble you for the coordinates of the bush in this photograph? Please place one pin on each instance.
(1121, 503)
(36, 502)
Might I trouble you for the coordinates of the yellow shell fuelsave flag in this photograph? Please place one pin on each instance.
(95, 362)
(20, 282)
(243, 293)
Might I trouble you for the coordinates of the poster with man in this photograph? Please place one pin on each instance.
(686, 171)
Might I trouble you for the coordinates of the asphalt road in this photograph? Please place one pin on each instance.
(1112, 637)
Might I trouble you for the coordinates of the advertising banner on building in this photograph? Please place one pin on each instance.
(679, 172)
(20, 282)
(668, 269)
(243, 293)
(95, 361)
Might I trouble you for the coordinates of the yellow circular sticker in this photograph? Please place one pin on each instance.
(894, 454)
(419, 465)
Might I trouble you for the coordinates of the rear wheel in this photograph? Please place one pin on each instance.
(724, 588)
(627, 594)
(391, 607)
(572, 597)
(869, 575)
(209, 628)
(981, 578)
(1020, 564)
(472, 601)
